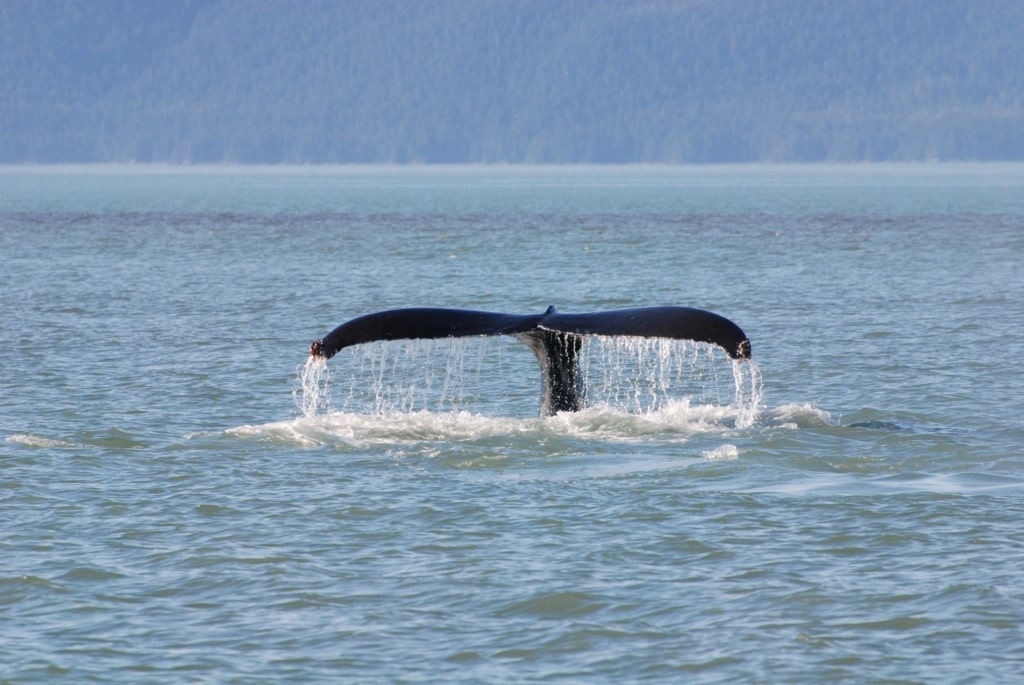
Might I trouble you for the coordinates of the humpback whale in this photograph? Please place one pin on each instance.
(554, 338)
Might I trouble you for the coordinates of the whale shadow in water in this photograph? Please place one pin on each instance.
(554, 338)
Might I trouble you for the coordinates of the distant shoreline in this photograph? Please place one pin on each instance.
(487, 167)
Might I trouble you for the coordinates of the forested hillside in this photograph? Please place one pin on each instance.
(510, 80)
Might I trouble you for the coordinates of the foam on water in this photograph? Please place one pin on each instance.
(362, 431)
(30, 440)
(675, 422)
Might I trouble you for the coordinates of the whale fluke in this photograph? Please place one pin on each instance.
(554, 338)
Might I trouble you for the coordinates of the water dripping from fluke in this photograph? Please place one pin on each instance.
(659, 380)
(313, 394)
(749, 392)
(556, 341)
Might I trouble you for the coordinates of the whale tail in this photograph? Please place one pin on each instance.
(554, 338)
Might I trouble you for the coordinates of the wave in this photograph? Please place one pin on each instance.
(798, 416)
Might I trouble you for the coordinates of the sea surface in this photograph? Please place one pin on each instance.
(186, 498)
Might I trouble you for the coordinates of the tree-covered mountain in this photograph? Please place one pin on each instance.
(510, 80)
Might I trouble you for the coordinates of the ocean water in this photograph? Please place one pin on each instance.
(185, 499)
